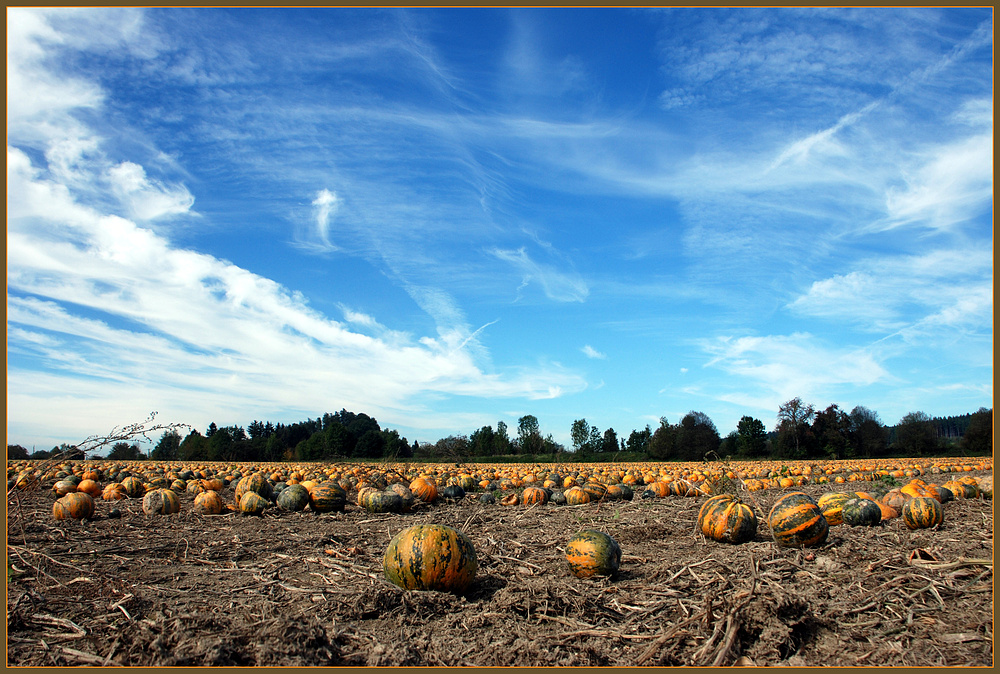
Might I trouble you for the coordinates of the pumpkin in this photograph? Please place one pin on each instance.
(384, 502)
(407, 497)
(945, 495)
(424, 489)
(431, 557)
(115, 491)
(727, 519)
(89, 487)
(363, 494)
(487, 498)
(252, 503)
(160, 502)
(63, 487)
(593, 553)
(326, 497)
(294, 497)
(510, 500)
(453, 492)
(133, 486)
(77, 505)
(532, 495)
(796, 520)
(557, 497)
(831, 504)
(195, 487)
(861, 512)
(576, 496)
(888, 512)
(256, 483)
(209, 503)
(922, 512)
(596, 490)
(658, 489)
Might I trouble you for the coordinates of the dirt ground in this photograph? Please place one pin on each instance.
(300, 589)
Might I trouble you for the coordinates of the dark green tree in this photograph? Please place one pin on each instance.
(793, 429)
(751, 438)
(371, 445)
(122, 451)
(529, 437)
(609, 442)
(831, 429)
(482, 442)
(916, 435)
(15, 452)
(168, 448)
(638, 441)
(978, 437)
(579, 435)
(661, 444)
(869, 437)
(501, 441)
(696, 437)
(194, 447)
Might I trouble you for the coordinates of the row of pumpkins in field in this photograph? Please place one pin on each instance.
(437, 557)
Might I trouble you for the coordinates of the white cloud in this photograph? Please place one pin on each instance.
(146, 199)
(945, 287)
(793, 365)
(952, 183)
(557, 285)
(326, 203)
(591, 352)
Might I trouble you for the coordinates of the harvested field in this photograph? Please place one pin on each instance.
(300, 589)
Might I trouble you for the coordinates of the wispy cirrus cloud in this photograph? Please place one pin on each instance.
(591, 352)
(557, 285)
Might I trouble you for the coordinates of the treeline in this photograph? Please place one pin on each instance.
(801, 432)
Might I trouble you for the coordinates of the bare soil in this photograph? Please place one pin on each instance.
(300, 589)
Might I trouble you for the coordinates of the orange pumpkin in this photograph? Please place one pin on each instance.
(431, 557)
(593, 553)
(76, 505)
(114, 492)
(424, 489)
(209, 502)
(796, 520)
(922, 512)
(727, 519)
(533, 495)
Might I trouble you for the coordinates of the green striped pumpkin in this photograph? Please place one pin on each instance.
(922, 512)
(294, 497)
(796, 520)
(253, 503)
(431, 557)
(861, 512)
(576, 496)
(726, 519)
(831, 504)
(384, 502)
(326, 497)
(256, 483)
(593, 553)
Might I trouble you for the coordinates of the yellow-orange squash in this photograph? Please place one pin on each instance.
(431, 557)
(727, 519)
(77, 505)
(209, 502)
(576, 496)
(593, 553)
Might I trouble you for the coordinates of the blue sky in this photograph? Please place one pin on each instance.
(447, 218)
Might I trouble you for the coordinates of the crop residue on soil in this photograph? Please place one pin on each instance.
(299, 589)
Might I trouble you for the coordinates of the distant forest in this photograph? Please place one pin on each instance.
(801, 433)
